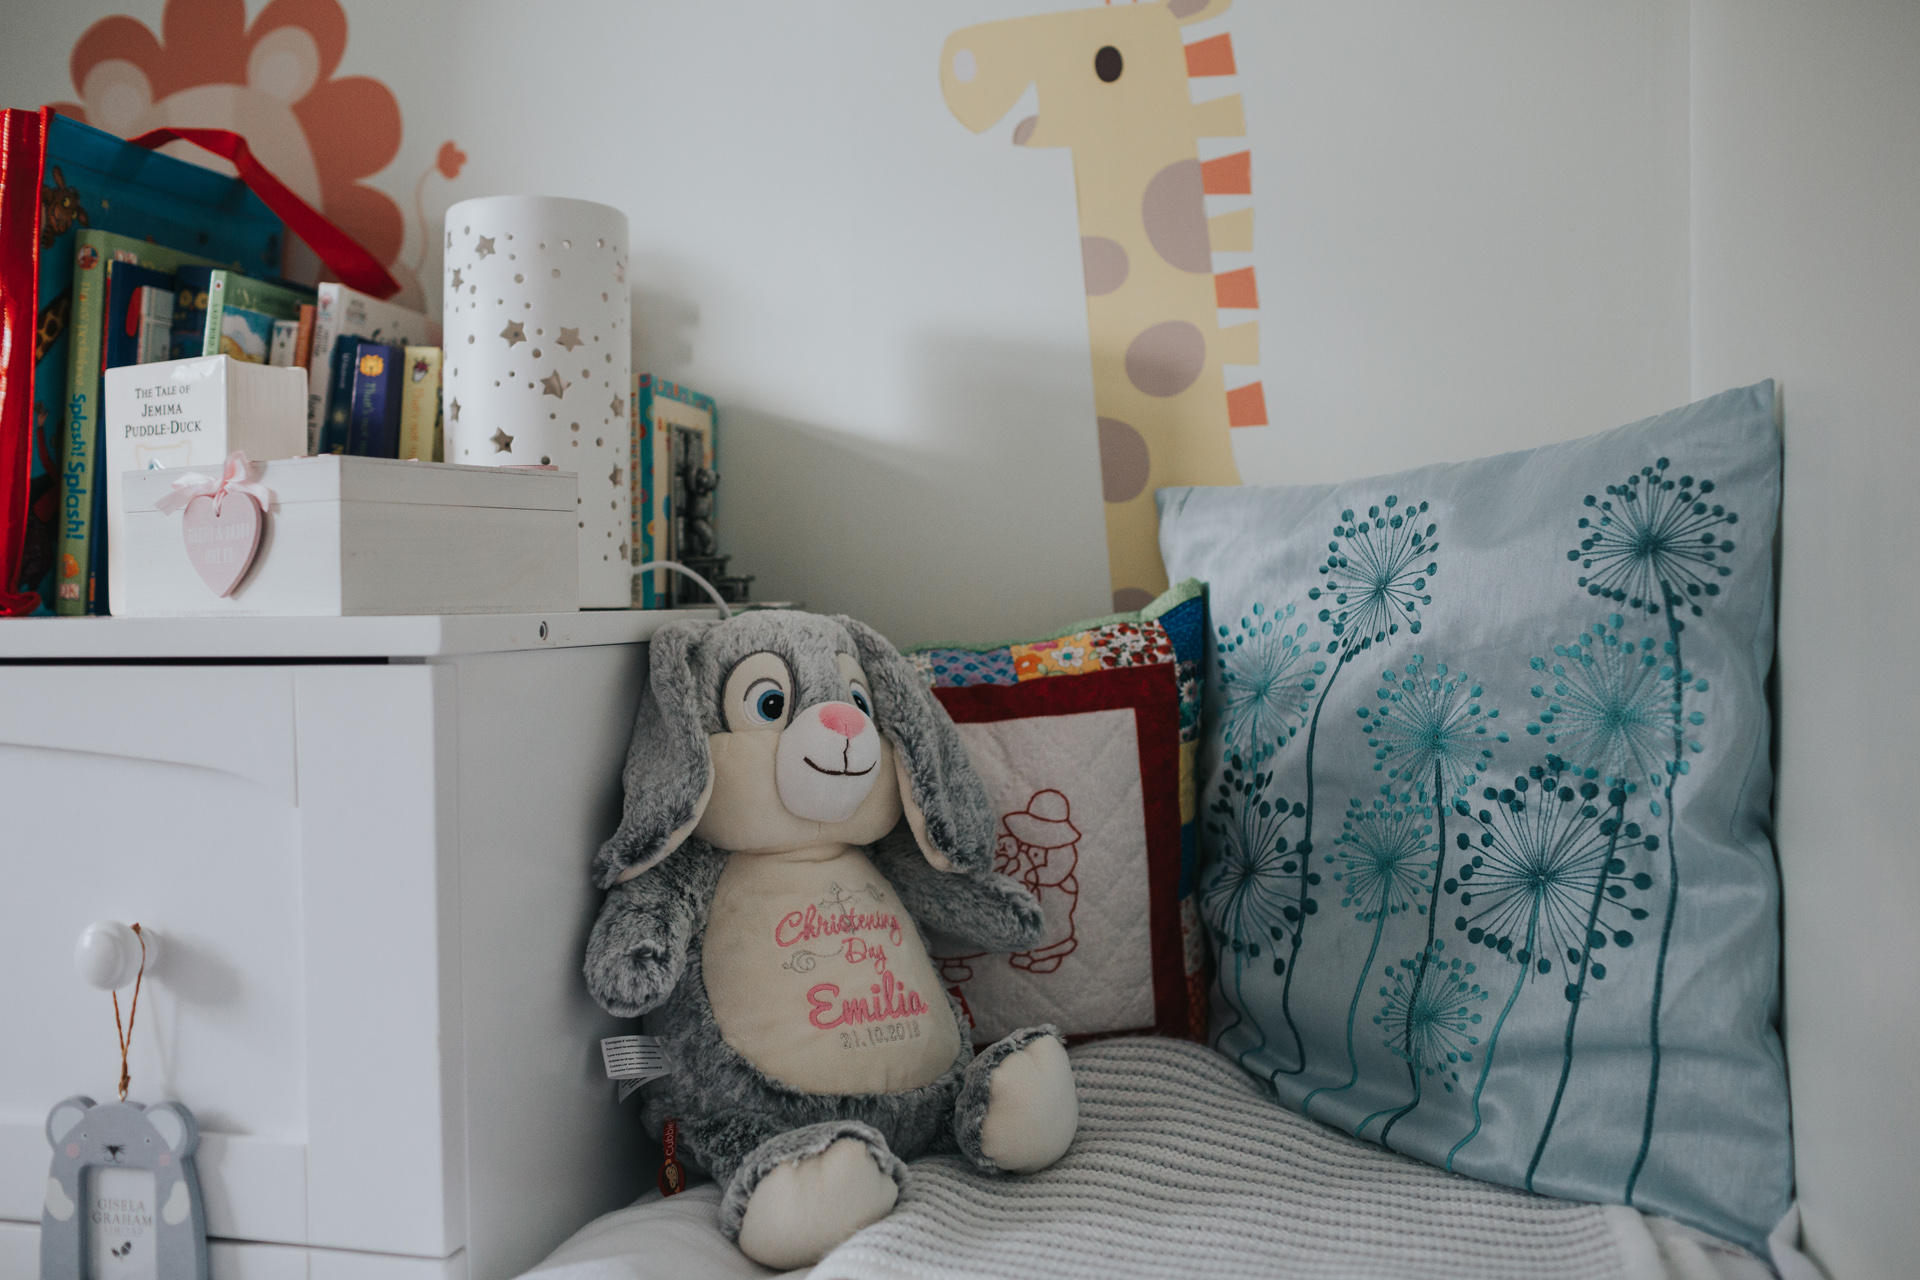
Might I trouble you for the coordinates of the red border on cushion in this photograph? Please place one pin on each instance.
(1153, 695)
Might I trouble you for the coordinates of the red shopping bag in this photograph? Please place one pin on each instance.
(181, 205)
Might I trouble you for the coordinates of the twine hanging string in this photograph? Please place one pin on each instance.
(133, 1009)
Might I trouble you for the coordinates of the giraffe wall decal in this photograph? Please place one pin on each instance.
(1113, 85)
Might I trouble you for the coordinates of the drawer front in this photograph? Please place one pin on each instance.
(281, 828)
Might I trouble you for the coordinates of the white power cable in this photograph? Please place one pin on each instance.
(720, 601)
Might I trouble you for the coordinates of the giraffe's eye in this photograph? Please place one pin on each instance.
(1107, 64)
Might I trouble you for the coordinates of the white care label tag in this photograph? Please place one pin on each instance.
(633, 1060)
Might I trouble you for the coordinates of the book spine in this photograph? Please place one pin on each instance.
(216, 312)
(190, 312)
(320, 366)
(393, 391)
(156, 322)
(81, 467)
(97, 585)
(369, 415)
(303, 349)
(339, 384)
(280, 354)
(420, 402)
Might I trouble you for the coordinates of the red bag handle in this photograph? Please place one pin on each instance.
(342, 254)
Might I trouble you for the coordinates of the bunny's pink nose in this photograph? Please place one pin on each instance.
(843, 719)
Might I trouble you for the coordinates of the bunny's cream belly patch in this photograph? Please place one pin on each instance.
(819, 978)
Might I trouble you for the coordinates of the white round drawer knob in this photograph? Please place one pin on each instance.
(108, 954)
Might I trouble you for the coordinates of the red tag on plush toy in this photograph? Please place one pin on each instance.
(673, 1178)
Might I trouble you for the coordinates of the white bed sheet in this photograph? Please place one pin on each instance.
(1182, 1167)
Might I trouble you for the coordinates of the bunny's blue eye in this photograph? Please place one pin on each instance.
(766, 702)
(860, 700)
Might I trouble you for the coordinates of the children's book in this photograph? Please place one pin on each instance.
(139, 314)
(660, 409)
(96, 252)
(373, 421)
(285, 334)
(192, 287)
(220, 312)
(303, 337)
(339, 375)
(420, 405)
(191, 413)
(342, 311)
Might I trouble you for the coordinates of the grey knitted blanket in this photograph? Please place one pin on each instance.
(1182, 1167)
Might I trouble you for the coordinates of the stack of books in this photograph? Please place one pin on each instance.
(373, 372)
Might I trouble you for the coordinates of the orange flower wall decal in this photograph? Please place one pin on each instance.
(272, 81)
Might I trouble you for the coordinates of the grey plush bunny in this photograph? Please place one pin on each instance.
(820, 811)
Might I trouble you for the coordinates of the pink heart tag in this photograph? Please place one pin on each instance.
(222, 545)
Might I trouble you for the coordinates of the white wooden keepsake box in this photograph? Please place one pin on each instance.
(351, 536)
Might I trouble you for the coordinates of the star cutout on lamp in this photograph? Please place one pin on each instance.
(514, 332)
(615, 476)
(620, 272)
(619, 406)
(552, 386)
(570, 338)
(483, 245)
(455, 408)
(502, 442)
(623, 549)
(449, 239)
(457, 281)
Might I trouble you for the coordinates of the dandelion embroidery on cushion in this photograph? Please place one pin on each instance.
(1374, 581)
(1250, 893)
(1385, 853)
(1429, 1021)
(1534, 888)
(1656, 544)
(1267, 678)
(1607, 702)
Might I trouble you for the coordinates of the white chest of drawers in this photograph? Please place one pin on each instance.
(364, 842)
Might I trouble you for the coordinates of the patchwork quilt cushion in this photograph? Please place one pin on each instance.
(1485, 853)
(1086, 743)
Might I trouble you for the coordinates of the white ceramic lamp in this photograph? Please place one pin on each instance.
(538, 327)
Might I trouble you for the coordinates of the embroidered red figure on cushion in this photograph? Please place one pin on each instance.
(1040, 847)
(1045, 850)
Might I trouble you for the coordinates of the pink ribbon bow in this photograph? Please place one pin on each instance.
(233, 479)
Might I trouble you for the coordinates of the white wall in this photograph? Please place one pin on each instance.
(1806, 268)
(1470, 231)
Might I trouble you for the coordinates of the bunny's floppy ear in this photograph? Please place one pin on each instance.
(669, 774)
(945, 802)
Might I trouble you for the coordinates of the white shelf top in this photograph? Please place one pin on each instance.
(421, 636)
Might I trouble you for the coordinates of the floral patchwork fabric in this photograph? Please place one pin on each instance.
(1484, 851)
(958, 668)
(1146, 641)
(1067, 656)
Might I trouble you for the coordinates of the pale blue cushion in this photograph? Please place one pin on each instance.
(1473, 981)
